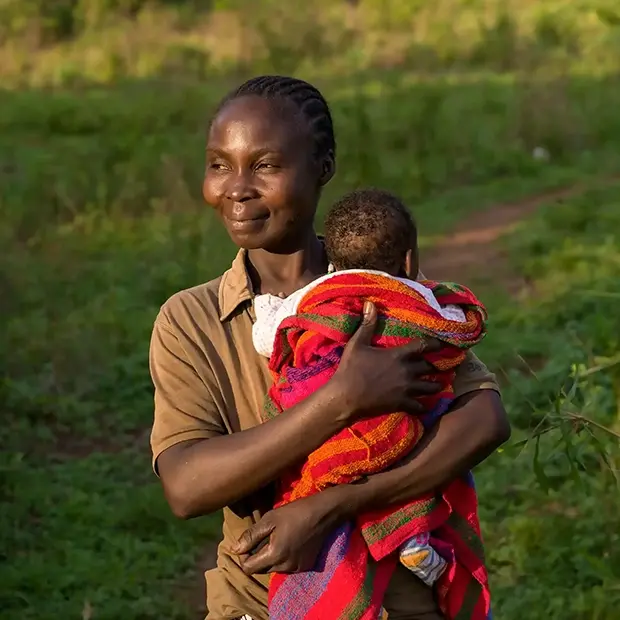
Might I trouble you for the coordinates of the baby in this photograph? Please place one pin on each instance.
(367, 231)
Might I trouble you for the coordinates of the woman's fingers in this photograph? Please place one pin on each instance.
(262, 561)
(413, 407)
(283, 567)
(366, 330)
(421, 346)
(253, 536)
(418, 367)
(422, 388)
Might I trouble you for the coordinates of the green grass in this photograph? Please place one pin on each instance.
(101, 220)
(550, 512)
(86, 41)
(92, 531)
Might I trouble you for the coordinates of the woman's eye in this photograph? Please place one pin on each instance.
(266, 166)
(216, 165)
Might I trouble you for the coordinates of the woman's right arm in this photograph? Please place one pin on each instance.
(202, 467)
(202, 475)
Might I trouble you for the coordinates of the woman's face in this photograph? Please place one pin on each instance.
(261, 176)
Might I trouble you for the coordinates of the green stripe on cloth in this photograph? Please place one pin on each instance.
(396, 327)
(467, 533)
(347, 324)
(270, 410)
(363, 598)
(287, 350)
(344, 323)
(445, 288)
(379, 531)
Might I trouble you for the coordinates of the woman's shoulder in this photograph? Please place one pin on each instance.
(192, 304)
(212, 302)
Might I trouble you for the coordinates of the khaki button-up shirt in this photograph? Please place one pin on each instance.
(210, 381)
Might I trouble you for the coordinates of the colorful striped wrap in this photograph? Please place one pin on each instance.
(357, 562)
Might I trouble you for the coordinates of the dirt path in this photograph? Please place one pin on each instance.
(472, 253)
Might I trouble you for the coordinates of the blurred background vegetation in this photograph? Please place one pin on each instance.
(457, 105)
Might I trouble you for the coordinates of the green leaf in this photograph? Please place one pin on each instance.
(539, 470)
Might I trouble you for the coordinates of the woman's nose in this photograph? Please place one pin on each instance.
(240, 188)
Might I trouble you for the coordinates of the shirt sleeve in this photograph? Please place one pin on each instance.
(184, 405)
(473, 375)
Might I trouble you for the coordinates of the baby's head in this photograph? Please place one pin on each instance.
(372, 229)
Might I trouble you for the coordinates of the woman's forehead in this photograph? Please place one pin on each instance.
(256, 123)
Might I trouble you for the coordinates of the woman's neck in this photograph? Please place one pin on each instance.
(285, 273)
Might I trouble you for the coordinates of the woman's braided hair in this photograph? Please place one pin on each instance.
(306, 99)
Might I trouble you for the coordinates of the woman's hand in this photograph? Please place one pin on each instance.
(375, 380)
(289, 539)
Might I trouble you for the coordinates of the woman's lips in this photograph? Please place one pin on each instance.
(246, 224)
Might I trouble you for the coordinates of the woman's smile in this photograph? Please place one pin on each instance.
(248, 224)
(245, 216)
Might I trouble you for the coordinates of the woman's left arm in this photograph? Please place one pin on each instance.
(474, 428)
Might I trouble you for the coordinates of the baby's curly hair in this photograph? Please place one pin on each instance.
(369, 229)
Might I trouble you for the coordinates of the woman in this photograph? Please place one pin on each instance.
(270, 151)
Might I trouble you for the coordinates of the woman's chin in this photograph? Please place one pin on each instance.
(248, 240)
(272, 241)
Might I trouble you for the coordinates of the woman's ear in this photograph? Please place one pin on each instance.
(328, 168)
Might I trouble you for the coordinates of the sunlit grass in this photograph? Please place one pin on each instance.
(101, 220)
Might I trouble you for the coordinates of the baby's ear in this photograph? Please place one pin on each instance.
(411, 264)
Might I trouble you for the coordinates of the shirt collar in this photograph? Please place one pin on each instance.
(235, 287)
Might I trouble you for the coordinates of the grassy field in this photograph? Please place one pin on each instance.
(550, 507)
(102, 130)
